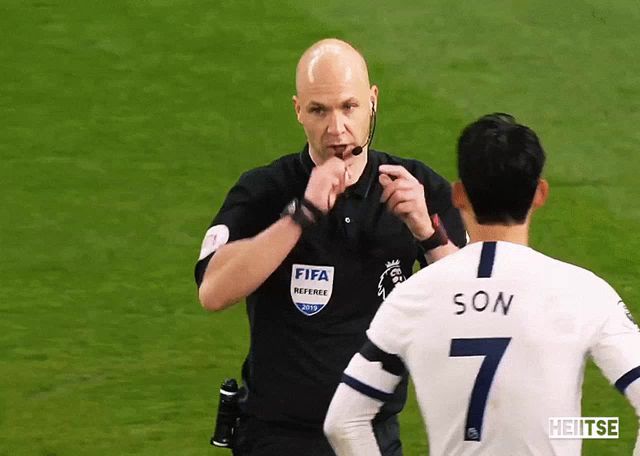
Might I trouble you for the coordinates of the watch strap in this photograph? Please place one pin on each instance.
(438, 238)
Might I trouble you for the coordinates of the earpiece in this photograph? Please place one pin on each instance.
(372, 127)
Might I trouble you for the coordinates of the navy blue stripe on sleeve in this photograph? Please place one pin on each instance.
(391, 363)
(365, 389)
(487, 256)
(627, 379)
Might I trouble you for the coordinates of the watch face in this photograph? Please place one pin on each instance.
(293, 205)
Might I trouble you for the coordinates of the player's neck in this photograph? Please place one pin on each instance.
(517, 234)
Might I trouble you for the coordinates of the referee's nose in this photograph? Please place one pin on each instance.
(336, 126)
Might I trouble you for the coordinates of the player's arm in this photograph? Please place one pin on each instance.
(370, 379)
(616, 351)
(632, 392)
(234, 265)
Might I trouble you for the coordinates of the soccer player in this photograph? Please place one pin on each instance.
(500, 344)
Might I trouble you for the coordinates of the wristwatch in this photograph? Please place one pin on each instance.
(438, 238)
(303, 212)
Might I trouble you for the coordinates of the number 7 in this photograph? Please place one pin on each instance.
(492, 349)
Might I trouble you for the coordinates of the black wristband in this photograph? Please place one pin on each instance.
(438, 238)
(302, 212)
(308, 205)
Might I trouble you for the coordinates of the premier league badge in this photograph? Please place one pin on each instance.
(311, 287)
(391, 276)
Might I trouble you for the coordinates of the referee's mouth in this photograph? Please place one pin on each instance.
(339, 150)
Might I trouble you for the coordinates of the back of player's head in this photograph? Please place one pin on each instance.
(499, 164)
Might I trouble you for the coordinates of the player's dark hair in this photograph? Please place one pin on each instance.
(499, 164)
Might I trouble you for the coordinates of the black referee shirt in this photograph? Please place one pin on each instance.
(310, 316)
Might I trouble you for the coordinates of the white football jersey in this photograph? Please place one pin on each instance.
(496, 338)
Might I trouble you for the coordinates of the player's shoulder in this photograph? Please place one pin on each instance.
(416, 297)
(513, 261)
(419, 169)
(565, 273)
(572, 283)
(450, 269)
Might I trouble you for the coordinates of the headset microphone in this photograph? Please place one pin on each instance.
(372, 128)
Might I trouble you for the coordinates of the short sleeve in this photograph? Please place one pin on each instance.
(247, 210)
(390, 329)
(616, 347)
(377, 369)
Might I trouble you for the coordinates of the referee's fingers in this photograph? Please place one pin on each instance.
(342, 182)
(391, 186)
(335, 165)
(397, 197)
(396, 171)
(384, 180)
(388, 187)
(403, 208)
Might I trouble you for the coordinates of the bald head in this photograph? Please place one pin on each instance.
(331, 61)
(334, 101)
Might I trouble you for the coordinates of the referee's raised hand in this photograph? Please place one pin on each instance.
(326, 183)
(404, 197)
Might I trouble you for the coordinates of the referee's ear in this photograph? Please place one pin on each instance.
(296, 107)
(541, 195)
(459, 196)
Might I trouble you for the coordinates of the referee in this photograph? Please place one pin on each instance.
(315, 241)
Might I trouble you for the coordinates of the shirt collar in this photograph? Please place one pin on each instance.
(363, 186)
(305, 159)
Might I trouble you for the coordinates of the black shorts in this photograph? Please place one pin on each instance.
(259, 438)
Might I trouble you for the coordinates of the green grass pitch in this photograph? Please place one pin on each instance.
(123, 123)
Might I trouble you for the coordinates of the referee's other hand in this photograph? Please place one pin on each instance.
(326, 183)
(404, 197)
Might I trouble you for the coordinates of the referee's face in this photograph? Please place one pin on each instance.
(333, 104)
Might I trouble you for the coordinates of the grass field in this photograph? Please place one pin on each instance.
(123, 123)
